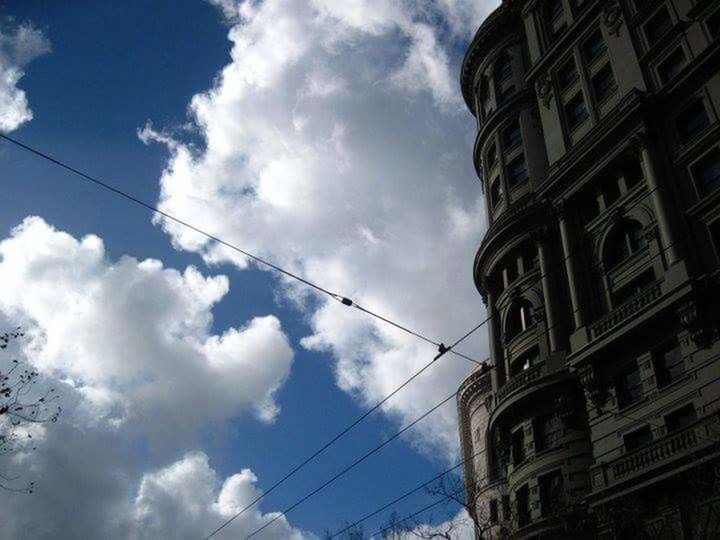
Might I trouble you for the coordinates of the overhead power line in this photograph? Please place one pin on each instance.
(335, 296)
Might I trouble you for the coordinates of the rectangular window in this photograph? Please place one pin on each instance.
(576, 111)
(593, 47)
(512, 137)
(525, 361)
(518, 446)
(636, 439)
(713, 24)
(658, 24)
(506, 507)
(522, 499)
(692, 121)
(548, 430)
(517, 171)
(603, 83)
(672, 65)
(681, 418)
(551, 490)
(495, 192)
(506, 94)
(567, 74)
(706, 173)
(669, 364)
(491, 156)
(493, 511)
(628, 386)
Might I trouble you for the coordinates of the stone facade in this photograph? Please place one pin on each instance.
(598, 150)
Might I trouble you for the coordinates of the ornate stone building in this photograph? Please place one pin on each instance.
(598, 150)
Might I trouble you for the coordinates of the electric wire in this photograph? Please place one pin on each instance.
(338, 297)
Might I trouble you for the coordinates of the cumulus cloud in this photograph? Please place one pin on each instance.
(335, 145)
(133, 336)
(19, 45)
(187, 500)
(128, 346)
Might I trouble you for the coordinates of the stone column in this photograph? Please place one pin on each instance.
(649, 168)
(569, 257)
(493, 328)
(540, 237)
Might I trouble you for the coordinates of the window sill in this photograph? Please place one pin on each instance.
(674, 384)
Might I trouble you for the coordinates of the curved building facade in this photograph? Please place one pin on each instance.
(598, 151)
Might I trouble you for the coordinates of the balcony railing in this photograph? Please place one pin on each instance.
(521, 380)
(625, 311)
(660, 452)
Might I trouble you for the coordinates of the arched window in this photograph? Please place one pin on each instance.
(625, 241)
(519, 319)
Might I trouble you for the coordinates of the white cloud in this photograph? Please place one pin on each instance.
(19, 45)
(127, 345)
(335, 145)
(187, 500)
(133, 336)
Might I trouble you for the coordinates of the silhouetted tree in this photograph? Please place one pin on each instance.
(20, 406)
(354, 532)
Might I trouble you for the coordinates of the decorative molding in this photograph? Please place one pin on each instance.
(560, 208)
(613, 18)
(638, 143)
(591, 381)
(693, 321)
(540, 234)
(544, 90)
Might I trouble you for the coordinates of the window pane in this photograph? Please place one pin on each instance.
(503, 68)
(681, 418)
(495, 192)
(672, 65)
(576, 111)
(551, 490)
(518, 447)
(604, 83)
(523, 505)
(517, 172)
(637, 438)
(512, 136)
(493, 511)
(549, 430)
(707, 173)
(657, 26)
(669, 364)
(567, 74)
(491, 156)
(713, 23)
(629, 386)
(692, 121)
(594, 47)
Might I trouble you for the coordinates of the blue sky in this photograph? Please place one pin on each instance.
(365, 185)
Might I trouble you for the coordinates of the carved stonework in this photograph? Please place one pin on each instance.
(615, 215)
(488, 402)
(592, 383)
(638, 143)
(693, 321)
(559, 208)
(613, 18)
(650, 234)
(540, 234)
(544, 90)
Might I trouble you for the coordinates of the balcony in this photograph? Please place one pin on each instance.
(521, 380)
(626, 311)
(658, 453)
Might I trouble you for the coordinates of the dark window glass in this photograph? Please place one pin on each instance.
(576, 111)
(567, 74)
(548, 430)
(503, 68)
(692, 121)
(518, 446)
(715, 236)
(495, 192)
(520, 318)
(554, 18)
(530, 258)
(632, 173)
(506, 507)
(637, 438)
(635, 287)
(707, 173)
(491, 156)
(506, 94)
(626, 241)
(672, 65)
(610, 191)
(493, 511)
(669, 364)
(517, 171)
(551, 490)
(682, 418)
(628, 386)
(713, 23)
(522, 499)
(525, 361)
(603, 83)
(512, 137)
(594, 47)
(658, 24)
(589, 207)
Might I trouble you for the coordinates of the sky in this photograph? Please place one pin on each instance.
(327, 137)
